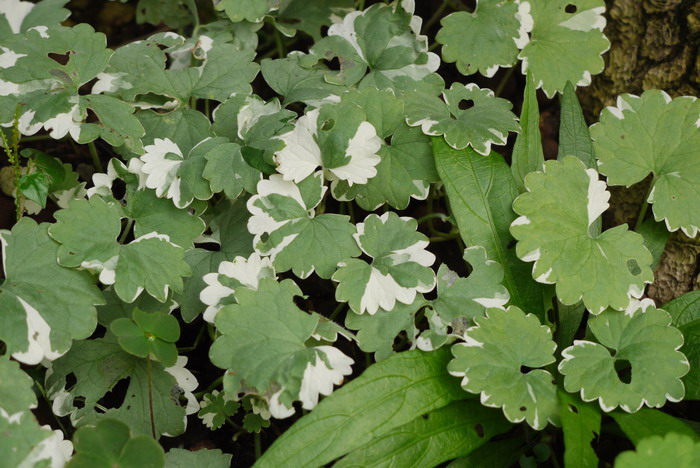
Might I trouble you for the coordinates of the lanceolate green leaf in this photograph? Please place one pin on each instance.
(446, 433)
(685, 312)
(581, 424)
(527, 153)
(392, 392)
(574, 139)
(649, 422)
(480, 190)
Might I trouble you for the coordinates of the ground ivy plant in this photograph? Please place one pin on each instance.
(300, 241)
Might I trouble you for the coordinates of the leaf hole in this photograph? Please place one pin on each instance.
(570, 8)
(573, 409)
(523, 408)
(425, 416)
(624, 370)
(633, 267)
(525, 369)
(479, 430)
(61, 59)
(333, 64)
(465, 104)
(115, 397)
(328, 125)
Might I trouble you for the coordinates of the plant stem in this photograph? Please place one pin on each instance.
(210, 388)
(42, 390)
(644, 207)
(150, 398)
(436, 16)
(95, 158)
(504, 80)
(258, 446)
(126, 232)
(337, 310)
(192, 6)
(37, 138)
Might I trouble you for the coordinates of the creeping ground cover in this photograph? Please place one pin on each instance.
(328, 233)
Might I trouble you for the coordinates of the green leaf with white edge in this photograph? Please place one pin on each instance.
(527, 154)
(649, 422)
(149, 262)
(672, 449)
(655, 237)
(109, 444)
(19, 16)
(400, 267)
(44, 305)
(581, 425)
(653, 133)
(470, 297)
(297, 79)
(117, 123)
(641, 338)
(393, 393)
(310, 17)
(574, 139)
(184, 127)
(228, 172)
(338, 138)
(98, 365)
(383, 41)
(115, 308)
(248, 10)
(469, 116)
(488, 38)
(405, 172)
(286, 229)
(376, 333)
(481, 192)
(441, 435)
(146, 334)
(229, 229)
(566, 43)
(685, 314)
(16, 394)
(216, 407)
(153, 214)
(25, 443)
(557, 212)
(491, 361)
(221, 286)
(202, 458)
(263, 340)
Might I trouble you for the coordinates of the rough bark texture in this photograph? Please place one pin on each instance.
(655, 45)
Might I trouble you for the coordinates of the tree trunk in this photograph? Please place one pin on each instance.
(655, 45)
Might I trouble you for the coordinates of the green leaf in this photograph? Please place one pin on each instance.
(469, 116)
(501, 359)
(642, 338)
(651, 422)
(671, 450)
(566, 43)
(98, 365)
(376, 333)
(685, 314)
(16, 393)
(654, 134)
(25, 443)
(433, 438)
(35, 186)
(399, 270)
(109, 444)
(406, 170)
(228, 172)
(480, 191)
(263, 341)
(184, 127)
(470, 297)
(148, 333)
(486, 39)
(557, 212)
(117, 122)
(175, 14)
(310, 17)
(286, 229)
(493, 454)
(149, 262)
(655, 238)
(527, 153)
(385, 41)
(44, 306)
(574, 139)
(581, 424)
(393, 393)
(248, 10)
(20, 17)
(202, 458)
(215, 408)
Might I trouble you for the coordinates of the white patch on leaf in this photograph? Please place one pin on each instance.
(526, 23)
(62, 124)
(598, 196)
(161, 172)
(362, 150)
(587, 20)
(8, 58)
(319, 379)
(301, 154)
(38, 337)
(53, 448)
(277, 409)
(383, 291)
(15, 11)
(187, 382)
(252, 111)
(346, 30)
(110, 82)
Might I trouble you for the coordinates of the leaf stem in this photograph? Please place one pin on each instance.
(127, 230)
(644, 207)
(150, 398)
(42, 390)
(504, 81)
(337, 310)
(95, 157)
(210, 388)
(258, 446)
(436, 16)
